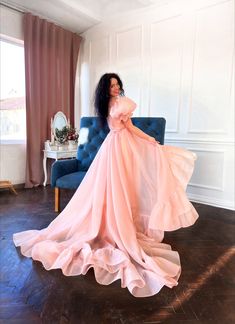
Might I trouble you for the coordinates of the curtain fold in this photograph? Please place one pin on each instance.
(51, 54)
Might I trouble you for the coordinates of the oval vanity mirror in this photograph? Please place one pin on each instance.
(59, 121)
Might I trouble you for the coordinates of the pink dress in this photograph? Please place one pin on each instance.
(133, 191)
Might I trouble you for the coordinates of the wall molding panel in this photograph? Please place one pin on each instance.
(211, 166)
(166, 70)
(176, 61)
(213, 47)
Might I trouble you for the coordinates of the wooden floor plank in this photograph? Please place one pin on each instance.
(30, 294)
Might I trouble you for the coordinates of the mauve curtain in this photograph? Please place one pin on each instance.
(51, 54)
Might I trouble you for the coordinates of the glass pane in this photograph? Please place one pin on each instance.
(12, 92)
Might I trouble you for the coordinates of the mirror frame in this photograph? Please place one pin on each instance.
(59, 114)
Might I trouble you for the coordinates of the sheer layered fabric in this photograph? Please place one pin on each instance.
(133, 191)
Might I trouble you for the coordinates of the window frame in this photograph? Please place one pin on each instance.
(17, 42)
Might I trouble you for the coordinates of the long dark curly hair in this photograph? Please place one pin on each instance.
(102, 96)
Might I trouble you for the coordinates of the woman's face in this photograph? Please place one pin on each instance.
(114, 89)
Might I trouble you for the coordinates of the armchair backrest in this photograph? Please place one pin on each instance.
(153, 126)
(91, 136)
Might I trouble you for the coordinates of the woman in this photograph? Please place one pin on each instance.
(133, 191)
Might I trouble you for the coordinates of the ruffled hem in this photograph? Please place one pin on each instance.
(177, 211)
(143, 278)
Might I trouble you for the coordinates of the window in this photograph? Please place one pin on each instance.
(12, 95)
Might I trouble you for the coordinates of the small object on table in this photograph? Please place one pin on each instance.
(8, 185)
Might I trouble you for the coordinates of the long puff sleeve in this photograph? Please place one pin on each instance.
(123, 110)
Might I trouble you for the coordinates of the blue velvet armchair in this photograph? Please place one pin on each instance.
(68, 174)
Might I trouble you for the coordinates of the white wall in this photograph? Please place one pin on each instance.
(12, 156)
(11, 23)
(13, 161)
(176, 61)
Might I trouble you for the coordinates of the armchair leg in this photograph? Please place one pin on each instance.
(57, 199)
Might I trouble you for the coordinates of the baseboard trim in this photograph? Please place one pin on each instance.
(16, 186)
(19, 186)
(226, 204)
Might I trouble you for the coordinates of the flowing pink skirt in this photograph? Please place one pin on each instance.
(133, 191)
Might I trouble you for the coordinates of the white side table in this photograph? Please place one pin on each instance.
(56, 155)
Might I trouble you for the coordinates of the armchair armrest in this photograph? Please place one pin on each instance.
(62, 167)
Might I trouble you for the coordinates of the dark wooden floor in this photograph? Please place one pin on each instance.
(30, 294)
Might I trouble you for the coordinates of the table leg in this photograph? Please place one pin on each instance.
(45, 169)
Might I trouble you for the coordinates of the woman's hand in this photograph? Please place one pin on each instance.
(152, 140)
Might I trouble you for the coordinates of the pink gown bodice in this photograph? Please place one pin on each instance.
(120, 113)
